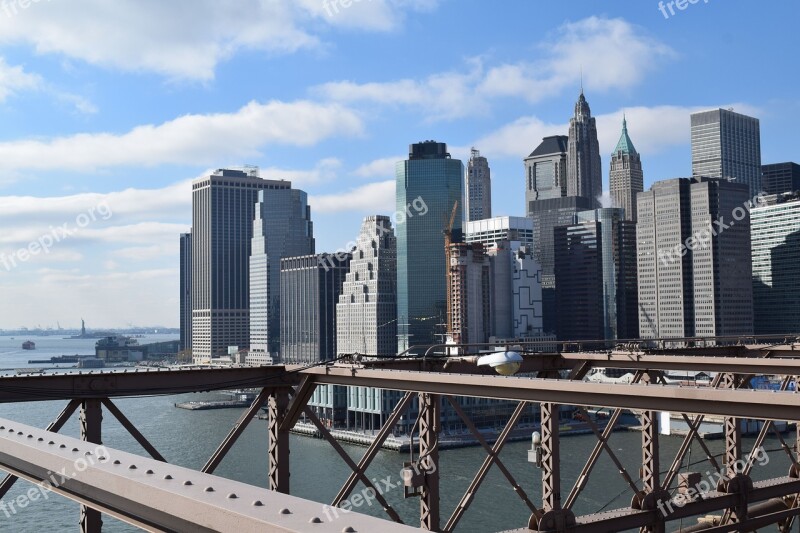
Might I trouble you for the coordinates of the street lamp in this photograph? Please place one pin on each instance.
(504, 363)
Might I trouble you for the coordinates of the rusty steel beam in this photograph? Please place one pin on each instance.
(430, 414)
(764, 405)
(236, 432)
(156, 496)
(135, 433)
(278, 445)
(492, 458)
(373, 449)
(749, 364)
(46, 387)
(376, 493)
(299, 402)
(91, 422)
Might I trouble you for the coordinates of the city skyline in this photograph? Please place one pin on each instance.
(122, 125)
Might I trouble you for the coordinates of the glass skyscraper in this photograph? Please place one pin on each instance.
(776, 265)
(727, 145)
(186, 291)
(479, 187)
(282, 227)
(429, 177)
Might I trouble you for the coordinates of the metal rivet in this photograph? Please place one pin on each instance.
(63, 446)
(348, 529)
(258, 503)
(40, 439)
(315, 520)
(209, 489)
(75, 450)
(285, 511)
(132, 467)
(30, 436)
(167, 477)
(187, 483)
(51, 443)
(117, 462)
(102, 459)
(19, 433)
(149, 472)
(232, 496)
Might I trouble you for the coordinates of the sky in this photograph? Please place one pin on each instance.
(110, 109)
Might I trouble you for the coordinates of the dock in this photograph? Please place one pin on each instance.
(204, 406)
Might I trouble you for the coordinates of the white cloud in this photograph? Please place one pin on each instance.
(379, 168)
(185, 39)
(371, 198)
(190, 139)
(15, 79)
(614, 55)
(323, 172)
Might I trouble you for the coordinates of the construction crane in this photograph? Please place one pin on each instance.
(448, 240)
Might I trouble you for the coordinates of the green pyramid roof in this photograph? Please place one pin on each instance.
(625, 145)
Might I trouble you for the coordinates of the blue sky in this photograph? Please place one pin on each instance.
(109, 109)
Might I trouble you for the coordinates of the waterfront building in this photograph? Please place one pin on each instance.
(780, 178)
(596, 277)
(626, 178)
(310, 289)
(584, 171)
(282, 227)
(727, 145)
(478, 187)
(223, 206)
(185, 283)
(366, 314)
(694, 265)
(776, 265)
(431, 177)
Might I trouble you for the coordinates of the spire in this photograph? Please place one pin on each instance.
(581, 80)
(625, 145)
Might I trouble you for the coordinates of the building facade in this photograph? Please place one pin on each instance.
(546, 170)
(497, 229)
(223, 206)
(517, 308)
(626, 178)
(694, 265)
(478, 187)
(780, 178)
(726, 144)
(186, 291)
(310, 289)
(776, 265)
(430, 176)
(282, 227)
(596, 277)
(470, 298)
(366, 314)
(584, 171)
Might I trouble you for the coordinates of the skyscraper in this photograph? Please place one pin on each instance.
(546, 170)
(310, 289)
(429, 175)
(366, 315)
(694, 259)
(498, 229)
(282, 227)
(223, 205)
(727, 145)
(479, 187)
(584, 173)
(596, 277)
(626, 178)
(780, 178)
(776, 265)
(186, 291)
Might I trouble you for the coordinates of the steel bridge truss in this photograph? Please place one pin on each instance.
(736, 503)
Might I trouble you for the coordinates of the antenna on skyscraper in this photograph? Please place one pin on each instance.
(581, 79)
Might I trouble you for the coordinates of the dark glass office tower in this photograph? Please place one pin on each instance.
(727, 145)
(780, 178)
(429, 178)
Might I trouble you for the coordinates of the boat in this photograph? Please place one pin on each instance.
(28, 345)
